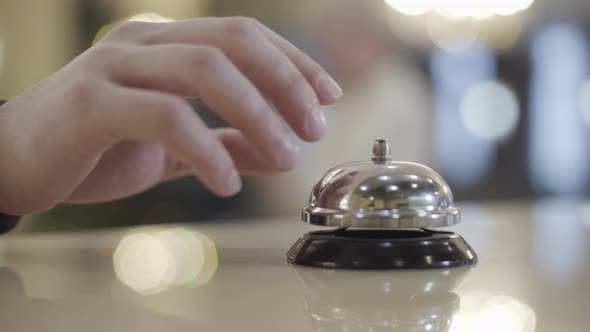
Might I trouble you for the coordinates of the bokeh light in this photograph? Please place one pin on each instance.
(559, 151)
(144, 263)
(151, 261)
(490, 110)
(509, 7)
(461, 159)
(453, 37)
(502, 33)
(415, 7)
(483, 312)
(459, 9)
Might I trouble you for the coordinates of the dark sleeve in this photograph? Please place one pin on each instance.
(7, 222)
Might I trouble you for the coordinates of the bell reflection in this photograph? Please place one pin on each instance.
(345, 300)
(332, 195)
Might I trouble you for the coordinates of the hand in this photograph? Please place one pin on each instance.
(114, 121)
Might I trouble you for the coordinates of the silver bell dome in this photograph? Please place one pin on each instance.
(381, 193)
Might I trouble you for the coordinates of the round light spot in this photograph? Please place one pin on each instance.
(144, 263)
(410, 7)
(485, 312)
(453, 36)
(509, 7)
(489, 110)
(151, 261)
(459, 9)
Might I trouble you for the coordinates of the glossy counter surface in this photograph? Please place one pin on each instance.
(533, 275)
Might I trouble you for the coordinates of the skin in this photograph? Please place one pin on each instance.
(115, 121)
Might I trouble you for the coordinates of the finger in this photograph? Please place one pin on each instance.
(175, 169)
(246, 157)
(328, 90)
(128, 113)
(269, 69)
(205, 72)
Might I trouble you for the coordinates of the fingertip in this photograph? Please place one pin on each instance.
(327, 101)
(328, 89)
(231, 186)
(234, 182)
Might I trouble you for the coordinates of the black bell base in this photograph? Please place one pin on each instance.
(381, 249)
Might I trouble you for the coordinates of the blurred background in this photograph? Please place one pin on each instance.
(493, 94)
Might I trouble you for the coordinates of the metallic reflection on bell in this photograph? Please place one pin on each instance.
(389, 203)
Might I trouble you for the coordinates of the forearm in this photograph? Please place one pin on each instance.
(7, 222)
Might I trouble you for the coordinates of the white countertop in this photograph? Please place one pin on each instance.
(533, 275)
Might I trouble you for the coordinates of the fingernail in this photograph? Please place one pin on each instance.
(328, 87)
(289, 154)
(234, 182)
(316, 124)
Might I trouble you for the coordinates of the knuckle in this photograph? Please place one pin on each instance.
(127, 28)
(299, 57)
(206, 57)
(258, 111)
(249, 20)
(83, 90)
(241, 27)
(171, 113)
(294, 80)
(278, 155)
(296, 84)
(104, 51)
(209, 59)
(305, 61)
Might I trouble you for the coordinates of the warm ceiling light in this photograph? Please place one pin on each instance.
(410, 7)
(459, 9)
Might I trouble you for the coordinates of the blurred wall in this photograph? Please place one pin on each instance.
(37, 38)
